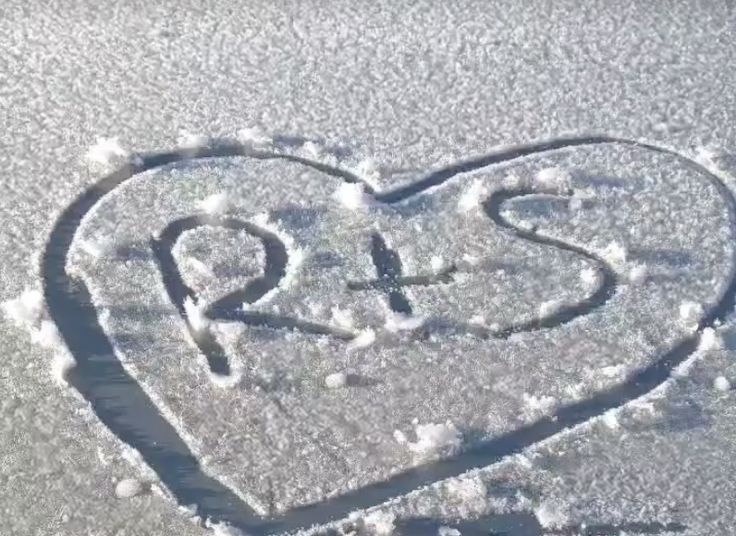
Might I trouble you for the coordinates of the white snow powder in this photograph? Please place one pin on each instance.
(539, 405)
(555, 178)
(472, 197)
(107, 152)
(47, 335)
(61, 364)
(255, 138)
(550, 307)
(218, 203)
(722, 384)
(638, 274)
(342, 318)
(448, 531)
(195, 314)
(590, 277)
(610, 419)
(352, 196)
(129, 487)
(368, 170)
(690, 313)
(99, 247)
(614, 253)
(188, 140)
(378, 523)
(364, 339)
(551, 515)
(336, 380)
(710, 340)
(436, 440)
(402, 322)
(26, 309)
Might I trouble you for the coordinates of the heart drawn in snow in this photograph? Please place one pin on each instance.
(478, 297)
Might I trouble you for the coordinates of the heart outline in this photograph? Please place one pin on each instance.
(70, 308)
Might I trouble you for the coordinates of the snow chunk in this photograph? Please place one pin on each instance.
(195, 314)
(188, 140)
(448, 531)
(218, 203)
(47, 336)
(722, 384)
(255, 138)
(614, 253)
(26, 309)
(107, 152)
(379, 523)
(638, 274)
(336, 380)
(610, 419)
(436, 440)
(401, 322)
(342, 318)
(551, 515)
(590, 277)
(129, 487)
(690, 313)
(223, 529)
(472, 197)
(61, 364)
(368, 170)
(550, 308)
(710, 340)
(539, 405)
(98, 248)
(352, 196)
(364, 339)
(556, 178)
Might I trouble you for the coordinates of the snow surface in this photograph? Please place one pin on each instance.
(386, 92)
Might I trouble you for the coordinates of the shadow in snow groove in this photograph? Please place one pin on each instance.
(122, 405)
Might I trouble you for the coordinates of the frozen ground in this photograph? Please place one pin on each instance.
(290, 331)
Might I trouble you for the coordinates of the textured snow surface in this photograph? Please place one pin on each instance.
(386, 93)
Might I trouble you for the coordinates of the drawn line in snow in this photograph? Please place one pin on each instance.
(122, 405)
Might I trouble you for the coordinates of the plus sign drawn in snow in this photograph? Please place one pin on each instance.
(301, 345)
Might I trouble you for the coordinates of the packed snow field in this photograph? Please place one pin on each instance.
(398, 268)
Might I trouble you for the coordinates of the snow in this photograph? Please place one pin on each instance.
(336, 380)
(379, 523)
(402, 322)
(472, 197)
(434, 440)
(47, 336)
(255, 137)
(218, 203)
(721, 383)
(128, 488)
(195, 312)
(590, 277)
(448, 531)
(107, 152)
(62, 363)
(551, 515)
(26, 309)
(690, 312)
(340, 85)
(615, 253)
(352, 196)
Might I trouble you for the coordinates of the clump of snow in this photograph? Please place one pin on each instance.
(690, 313)
(470, 493)
(336, 380)
(352, 196)
(99, 247)
(722, 384)
(312, 150)
(26, 309)
(368, 170)
(61, 364)
(107, 152)
(195, 314)
(551, 515)
(437, 263)
(590, 277)
(364, 339)
(47, 335)
(342, 318)
(555, 178)
(448, 531)
(402, 322)
(615, 253)
(610, 419)
(710, 340)
(435, 440)
(472, 197)
(255, 138)
(218, 203)
(378, 523)
(222, 528)
(550, 308)
(188, 140)
(638, 274)
(535, 405)
(129, 487)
